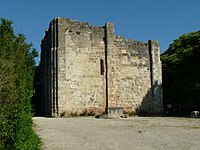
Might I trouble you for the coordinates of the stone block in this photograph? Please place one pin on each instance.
(114, 112)
(194, 114)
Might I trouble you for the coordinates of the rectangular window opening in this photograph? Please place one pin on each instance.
(101, 66)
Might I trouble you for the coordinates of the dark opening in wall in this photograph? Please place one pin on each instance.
(101, 66)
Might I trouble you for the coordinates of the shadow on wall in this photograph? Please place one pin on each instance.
(36, 101)
(152, 103)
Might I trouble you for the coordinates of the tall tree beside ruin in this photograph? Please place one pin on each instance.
(16, 89)
(181, 74)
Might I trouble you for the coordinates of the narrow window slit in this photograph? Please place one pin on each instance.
(102, 66)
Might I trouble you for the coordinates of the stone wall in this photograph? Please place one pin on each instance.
(130, 74)
(81, 86)
(85, 68)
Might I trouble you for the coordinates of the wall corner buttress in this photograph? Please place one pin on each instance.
(156, 76)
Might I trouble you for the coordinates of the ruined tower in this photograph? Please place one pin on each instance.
(89, 69)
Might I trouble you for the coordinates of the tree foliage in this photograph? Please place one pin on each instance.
(181, 74)
(16, 89)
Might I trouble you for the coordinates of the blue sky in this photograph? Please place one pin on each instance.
(162, 20)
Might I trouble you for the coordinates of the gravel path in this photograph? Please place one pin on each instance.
(134, 133)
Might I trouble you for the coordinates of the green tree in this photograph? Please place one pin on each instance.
(16, 89)
(181, 74)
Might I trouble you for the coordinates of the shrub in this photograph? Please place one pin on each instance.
(16, 89)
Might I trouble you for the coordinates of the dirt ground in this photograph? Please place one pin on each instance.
(134, 133)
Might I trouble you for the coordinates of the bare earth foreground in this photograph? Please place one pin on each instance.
(135, 133)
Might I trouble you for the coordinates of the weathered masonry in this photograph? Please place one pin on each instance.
(87, 68)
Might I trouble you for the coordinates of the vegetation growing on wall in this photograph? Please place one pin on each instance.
(181, 75)
(16, 88)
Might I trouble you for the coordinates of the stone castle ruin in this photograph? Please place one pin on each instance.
(89, 69)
